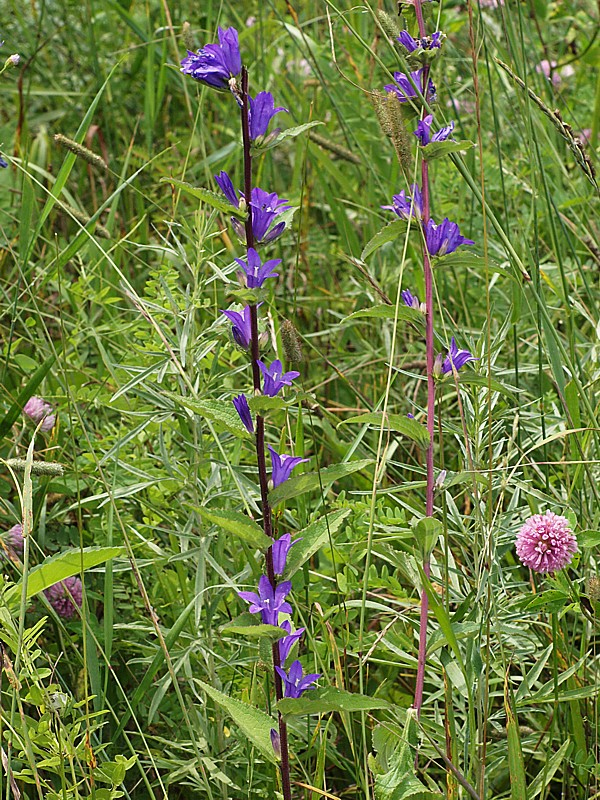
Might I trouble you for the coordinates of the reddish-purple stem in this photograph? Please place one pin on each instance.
(260, 435)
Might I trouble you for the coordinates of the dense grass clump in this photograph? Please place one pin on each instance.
(129, 667)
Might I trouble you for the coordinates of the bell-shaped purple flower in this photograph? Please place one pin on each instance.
(274, 377)
(426, 43)
(280, 549)
(266, 206)
(407, 41)
(457, 358)
(405, 206)
(243, 409)
(423, 132)
(444, 238)
(256, 272)
(287, 642)
(293, 680)
(282, 466)
(3, 163)
(215, 64)
(404, 89)
(262, 110)
(270, 602)
(226, 186)
(411, 300)
(241, 326)
(276, 742)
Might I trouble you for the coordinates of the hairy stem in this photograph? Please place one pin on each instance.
(267, 519)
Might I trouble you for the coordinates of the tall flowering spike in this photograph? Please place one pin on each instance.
(546, 543)
(404, 89)
(444, 238)
(269, 602)
(65, 597)
(294, 681)
(423, 132)
(226, 186)
(280, 549)
(216, 65)
(241, 326)
(282, 466)
(262, 110)
(255, 271)
(243, 409)
(37, 409)
(275, 378)
(287, 642)
(456, 357)
(406, 206)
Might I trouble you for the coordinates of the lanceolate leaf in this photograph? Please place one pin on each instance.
(310, 480)
(439, 149)
(313, 538)
(212, 198)
(237, 523)
(321, 701)
(386, 311)
(390, 233)
(291, 133)
(64, 565)
(249, 625)
(216, 410)
(254, 723)
(394, 422)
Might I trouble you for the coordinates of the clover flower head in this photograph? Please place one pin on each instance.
(404, 88)
(275, 378)
(444, 238)
(241, 326)
(216, 65)
(294, 682)
(261, 112)
(546, 543)
(282, 466)
(243, 409)
(65, 597)
(269, 602)
(457, 358)
(255, 271)
(37, 409)
(14, 539)
(423, 132)
(405, 206)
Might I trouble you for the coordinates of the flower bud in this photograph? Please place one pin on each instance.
(292, 343)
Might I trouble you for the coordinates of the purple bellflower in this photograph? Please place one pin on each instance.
(241, 326)
(444, 238)
(216, 65)
(3, 163)
(423, 132)
(276, 742)
(287, 642)
(262, 110)
(294, 682)
(280, 548)
(457, 358)
(256, 272)
(266, 206)
(404, 89)
(426, 43)
(226, 186)
(411, 300)
(243, 409)
(275, 378)
(282, 466)
(270, 602)
(404, 206)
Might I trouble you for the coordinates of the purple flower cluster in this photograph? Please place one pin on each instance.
(14, 541)
(405, 86)
(40, 411)
(432, 42)
(65, 597)
(546, 543)
(218, 66)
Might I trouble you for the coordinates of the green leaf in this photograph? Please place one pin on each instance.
(394, 422)
(248, 625)
(216, 410)
(516, 762)
(551, 600)
(390, 233)
(588, 538)
(291, 133)
(439, 149)
(385, 311)
(322, 701)
(61, 566)
(212, 198)
(396, 780)
(464, 257)
(310, 480)
(237, 523)
(427, 532)
(262, 403)
(314, 536)
(254, 723)
(545, 775)
(472, 379)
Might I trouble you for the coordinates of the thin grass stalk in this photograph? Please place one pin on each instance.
(260, 434)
